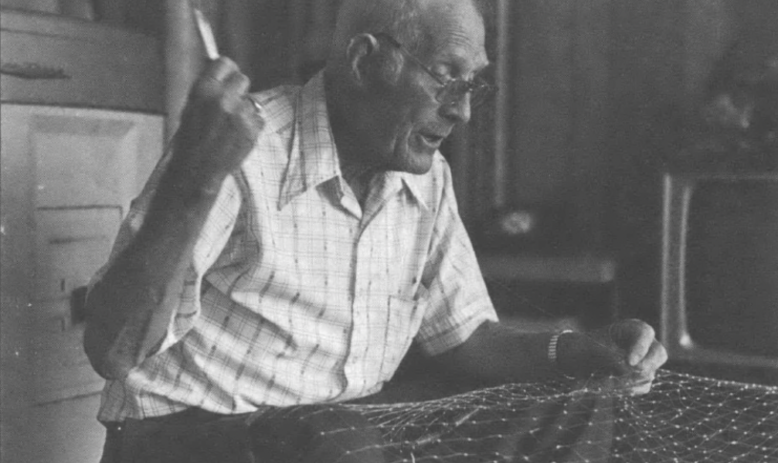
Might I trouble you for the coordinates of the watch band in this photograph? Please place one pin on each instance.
(552, 351)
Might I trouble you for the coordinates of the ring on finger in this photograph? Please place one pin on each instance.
(256, 104)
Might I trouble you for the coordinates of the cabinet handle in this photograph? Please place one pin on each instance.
(33, 71)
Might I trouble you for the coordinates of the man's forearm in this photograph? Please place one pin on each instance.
(131, 306)
(497, 354)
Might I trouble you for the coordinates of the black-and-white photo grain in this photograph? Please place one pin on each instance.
(388, 231)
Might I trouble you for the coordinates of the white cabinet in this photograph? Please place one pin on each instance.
(77, 143)
(79, 168)
(68, 176)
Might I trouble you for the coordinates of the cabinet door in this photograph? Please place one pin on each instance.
(74, 174)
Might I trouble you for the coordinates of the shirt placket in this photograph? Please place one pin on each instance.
(355, 367)
(370, 264)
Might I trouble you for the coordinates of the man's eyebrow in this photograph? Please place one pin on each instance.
(486, 65)
(456, 62)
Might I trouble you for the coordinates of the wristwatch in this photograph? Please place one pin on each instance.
(552, 351)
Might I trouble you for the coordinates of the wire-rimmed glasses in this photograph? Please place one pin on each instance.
(451, 90)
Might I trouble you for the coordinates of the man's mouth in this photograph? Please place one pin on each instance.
(432, 140)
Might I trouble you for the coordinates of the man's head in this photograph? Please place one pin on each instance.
(387, 110)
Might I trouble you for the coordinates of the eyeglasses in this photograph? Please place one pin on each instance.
(452, 90)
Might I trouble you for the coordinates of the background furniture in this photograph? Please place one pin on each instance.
(719, 272)
(82, 120)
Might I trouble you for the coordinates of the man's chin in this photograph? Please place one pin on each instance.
(419, 163)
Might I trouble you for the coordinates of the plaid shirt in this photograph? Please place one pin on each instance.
(294, 293)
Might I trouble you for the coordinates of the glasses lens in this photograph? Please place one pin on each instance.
(456, 89)
(482, 90)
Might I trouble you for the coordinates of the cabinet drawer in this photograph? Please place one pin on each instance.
(66, 62)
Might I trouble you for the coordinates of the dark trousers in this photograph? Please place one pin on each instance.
(567, 429)
(297, 434)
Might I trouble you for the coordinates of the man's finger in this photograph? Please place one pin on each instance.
(643, 387)
(211, 81)
(220, 69)
(637, 338)
(655, 358)
(237, 84)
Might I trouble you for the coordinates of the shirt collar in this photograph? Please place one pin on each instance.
(314, 157)
(413, 183)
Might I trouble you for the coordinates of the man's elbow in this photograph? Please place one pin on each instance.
(98, 350)
(112, 344)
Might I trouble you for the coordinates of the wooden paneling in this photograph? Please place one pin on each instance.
(647, 85)
(542, 45)
(591, 80)
(710, 28)
(84, 166)
(556, 120)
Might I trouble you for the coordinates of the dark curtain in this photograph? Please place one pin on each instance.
(274, 41)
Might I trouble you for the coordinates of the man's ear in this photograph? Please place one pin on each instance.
(366, 63)
(360, 54)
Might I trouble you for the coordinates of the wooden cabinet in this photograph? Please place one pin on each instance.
(82, 168)
(78, 141)
(59, 61)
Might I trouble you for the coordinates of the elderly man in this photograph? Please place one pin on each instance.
(290, 258)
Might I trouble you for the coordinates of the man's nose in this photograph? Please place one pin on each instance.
(458, 109)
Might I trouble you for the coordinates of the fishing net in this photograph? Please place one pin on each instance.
(683, 419)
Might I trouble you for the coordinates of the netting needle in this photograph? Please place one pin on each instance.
(209, 42)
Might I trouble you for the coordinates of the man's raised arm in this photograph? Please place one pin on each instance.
(131, 306)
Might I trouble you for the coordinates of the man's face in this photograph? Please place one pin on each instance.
(410, 123)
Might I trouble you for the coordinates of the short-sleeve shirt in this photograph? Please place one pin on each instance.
(295, 294)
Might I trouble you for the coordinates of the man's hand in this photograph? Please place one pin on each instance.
(219, 127)
(626, 350)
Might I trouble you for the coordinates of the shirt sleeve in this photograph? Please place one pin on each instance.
(457, 298)
(213, 238)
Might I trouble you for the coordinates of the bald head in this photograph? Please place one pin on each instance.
(402, 19)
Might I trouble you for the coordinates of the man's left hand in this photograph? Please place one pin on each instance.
(627, 351)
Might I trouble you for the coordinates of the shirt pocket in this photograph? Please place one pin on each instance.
(404, 321)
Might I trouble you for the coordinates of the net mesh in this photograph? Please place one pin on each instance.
(684, 418)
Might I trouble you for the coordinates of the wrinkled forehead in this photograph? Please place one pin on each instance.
(454, 29)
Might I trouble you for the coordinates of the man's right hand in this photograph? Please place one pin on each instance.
(219, 127)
